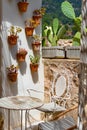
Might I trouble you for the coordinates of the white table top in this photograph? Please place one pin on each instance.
(20, 103)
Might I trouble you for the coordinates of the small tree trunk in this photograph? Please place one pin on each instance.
(82, 110)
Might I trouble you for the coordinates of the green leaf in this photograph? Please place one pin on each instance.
(85, 30)
(77, 35)
(45, 32)
(61, 32)
(77, 23)
(44, 42)
(50, 36)
(68, 10)
(75, 43)
(55, 25)
(54, 42)
(76, 39)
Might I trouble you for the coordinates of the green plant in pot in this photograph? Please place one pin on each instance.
(37, 14)
(23, 5)
(36, 42)
(34, 63)
(69, 12)
(30, 25)
(54, 33)
(12, 38)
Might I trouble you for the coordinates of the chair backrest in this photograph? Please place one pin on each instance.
(60, 85)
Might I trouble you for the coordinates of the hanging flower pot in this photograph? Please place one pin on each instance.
(34, 67)
(23, 6)
(37, 19)
(21, 54)
(12, 76)
(12, 73)
(37, 15)
(34, 63)
(36, 46)
(30, 26)
(12, 38)
(29, 30)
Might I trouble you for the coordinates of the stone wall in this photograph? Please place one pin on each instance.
(70, 70)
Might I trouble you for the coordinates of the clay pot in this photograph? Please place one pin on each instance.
(34, 67)
(36, 46)
(21, 55)
(37, 18)
(29, 31)
(12, 39)
(23, 6)
(12, 76)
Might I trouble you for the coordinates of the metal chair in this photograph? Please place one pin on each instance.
(59, 95)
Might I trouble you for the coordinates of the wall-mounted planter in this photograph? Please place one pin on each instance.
(34, 63)
(36, 46)
(12, 39)
(34, 67)
(73, 52)
(29, 31)
(21, 54)
(12, 73)
(12, 76)
(53, 52)
(37, 19)
(23, 6)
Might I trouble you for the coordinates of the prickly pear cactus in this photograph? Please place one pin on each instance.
(68, 10)
(56, 33)
(55, 25)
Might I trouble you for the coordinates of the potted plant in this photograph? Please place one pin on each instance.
(51, 36)
(23, 5)
(21, 54)
(12, 38)
(30, 25)
(34, 63)
(73, 52)
(36, 42)
(12, 73)
(37, 14)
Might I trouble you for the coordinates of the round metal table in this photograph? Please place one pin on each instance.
(19, 103)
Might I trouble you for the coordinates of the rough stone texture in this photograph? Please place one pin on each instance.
(68, 68)
(65, 42)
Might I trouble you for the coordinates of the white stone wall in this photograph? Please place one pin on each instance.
(10, 15)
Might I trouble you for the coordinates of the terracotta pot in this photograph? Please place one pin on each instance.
(12, 76)
(12, 39)
(36, 46)
(21, 57)
(29, 31)
(23, 6)
(37, 18)
(34, 67)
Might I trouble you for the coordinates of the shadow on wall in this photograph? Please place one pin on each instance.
(35, 76)
(29, 41)
(13, 88)
(13, 51)
(23, 67)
